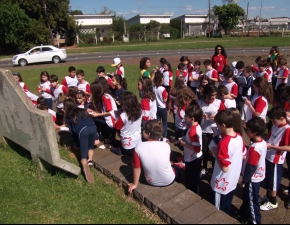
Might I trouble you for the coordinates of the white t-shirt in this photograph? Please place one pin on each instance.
(230, 103)
(282, 73)
(46, 94)
(279, 136)
(161, 94)
(195, 74)
(256, 156)
(70, 82)
(230, 153)
(154, 158)
(130, 132)
(193, 138)
(109, 105)
(260, 104)
(210, 109)
(149, 109)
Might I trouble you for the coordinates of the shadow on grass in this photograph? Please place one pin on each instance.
(50, 169)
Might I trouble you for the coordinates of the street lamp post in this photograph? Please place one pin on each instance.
(260, 18)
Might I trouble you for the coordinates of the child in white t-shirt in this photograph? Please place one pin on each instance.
(128, 125)
(193, 148)
(154, 157)
(228, 164)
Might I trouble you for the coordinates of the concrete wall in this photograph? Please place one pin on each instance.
(24, 124)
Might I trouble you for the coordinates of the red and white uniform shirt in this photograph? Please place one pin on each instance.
(161, 94)
(282, 73)
(110, 82)
(109, 105)
(193, 138)
(180, 122)
(154, 157)
(270, 72)
(85, 87)
(183, 74)
(256, 156)
(53, 114)
(167, 78)
(56, 91)
(260, 104)
(149, 109)
(212, 74)
(32, 97)
(130, 132)
(195, 74)
(232, 87)
(230, 154)
(23, 86)
(219, 62)
(210, 109)
(120, 71)
(70, 81)
(230, 103)
(47, 93)
(278, 136)
(262, 74)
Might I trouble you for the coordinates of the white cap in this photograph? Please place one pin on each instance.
(234, 63)
(116, 61)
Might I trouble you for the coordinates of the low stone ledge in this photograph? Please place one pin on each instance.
(219, 217)
(195, 213)
(163, 194)
(176, 205)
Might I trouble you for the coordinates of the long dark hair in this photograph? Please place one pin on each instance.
(147, 88)
(71, 109)
(106, 87)
(264, 88)
(143, 63)
(122, 81)
(223, 52)
(97, 93)
(158, 79)
(44, 73)
(131, 106)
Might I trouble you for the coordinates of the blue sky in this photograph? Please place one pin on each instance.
(130, 8)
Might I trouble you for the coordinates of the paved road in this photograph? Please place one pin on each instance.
(84, 57)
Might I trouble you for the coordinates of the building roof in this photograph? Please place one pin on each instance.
(150, 15)
(192, 16)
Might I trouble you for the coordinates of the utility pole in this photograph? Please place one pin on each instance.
(209, 18)
(260, 18)
(47, 22)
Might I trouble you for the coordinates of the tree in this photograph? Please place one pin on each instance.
(14, 23)
(76, 12)
(57, 17)
(228, 16)
(118, 27)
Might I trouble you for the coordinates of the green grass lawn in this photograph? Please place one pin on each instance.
(31, 76)
(28, 195)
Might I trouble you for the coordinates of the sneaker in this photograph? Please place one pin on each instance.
(268, 206)
(203, 172)
(180, 165)
(262, 200)
(88, 174)
(285, 191)
(166, 140)
(90, 162)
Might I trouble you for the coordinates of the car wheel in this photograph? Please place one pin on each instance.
(55, 59)
(22, 62)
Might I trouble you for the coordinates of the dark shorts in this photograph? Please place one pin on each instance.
(274, 174)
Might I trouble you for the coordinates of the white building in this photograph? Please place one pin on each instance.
(145, 19)
(193, 25)
(94, 24)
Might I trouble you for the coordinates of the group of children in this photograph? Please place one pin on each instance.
(208, 108)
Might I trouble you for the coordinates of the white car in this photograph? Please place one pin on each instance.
(43, 53)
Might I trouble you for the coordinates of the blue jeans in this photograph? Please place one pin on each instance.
(162, 115)
(49, 102)
(87, 139)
